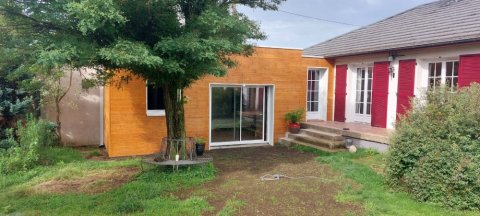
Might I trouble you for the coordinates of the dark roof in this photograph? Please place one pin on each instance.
(437, 23)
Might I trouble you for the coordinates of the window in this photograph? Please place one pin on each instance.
(313, 90)
(451, 79)
(155, 101)
(434, 75)
(443, 73)
(363, 101)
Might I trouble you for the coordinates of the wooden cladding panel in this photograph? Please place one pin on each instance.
(134, 133)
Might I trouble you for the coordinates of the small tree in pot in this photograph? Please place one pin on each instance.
(293, 118)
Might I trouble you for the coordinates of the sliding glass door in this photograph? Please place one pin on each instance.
(238, 114)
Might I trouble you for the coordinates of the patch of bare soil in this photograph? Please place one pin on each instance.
(96, 182)
(93, 153)
(310, 191)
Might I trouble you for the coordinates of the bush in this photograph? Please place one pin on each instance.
(435, 151)
(294, 116)
(9, 140)
(23, 152)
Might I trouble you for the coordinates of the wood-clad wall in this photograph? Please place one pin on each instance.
(129, 131)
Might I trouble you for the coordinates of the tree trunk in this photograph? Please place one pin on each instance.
(58, 130)
(175, 116)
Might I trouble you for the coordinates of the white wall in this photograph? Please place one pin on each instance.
(423, 57)
(81, 112)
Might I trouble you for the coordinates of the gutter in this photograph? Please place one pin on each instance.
(101, 144)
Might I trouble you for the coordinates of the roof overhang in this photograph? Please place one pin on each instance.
(397, 49)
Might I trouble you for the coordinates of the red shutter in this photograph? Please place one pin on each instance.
(380, 94)
(340, 92)
(469, 70)
(406, 85)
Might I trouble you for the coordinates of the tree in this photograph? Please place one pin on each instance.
(53, 91)
(18, 90)
(170, 43)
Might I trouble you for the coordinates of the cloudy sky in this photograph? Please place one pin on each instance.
(286, 30)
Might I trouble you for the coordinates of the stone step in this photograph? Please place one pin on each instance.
(321, 128)
(290, 142)
(331, 144)
(323, 135)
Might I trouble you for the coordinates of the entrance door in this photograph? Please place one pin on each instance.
(317, 88)
(363, 95)
(238, 115)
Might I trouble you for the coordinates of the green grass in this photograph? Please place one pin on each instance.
(371, 189)
(231, 207)
(150, 193)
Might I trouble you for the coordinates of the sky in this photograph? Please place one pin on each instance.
(291, 31)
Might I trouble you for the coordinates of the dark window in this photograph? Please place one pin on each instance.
(155, 100)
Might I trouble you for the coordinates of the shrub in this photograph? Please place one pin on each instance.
(9, 140)
(294, 116)
(23, 152)
(435, 151)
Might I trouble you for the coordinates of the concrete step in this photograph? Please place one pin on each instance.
(331, 144)
(321, 128)
(323, 135)
(290, 142)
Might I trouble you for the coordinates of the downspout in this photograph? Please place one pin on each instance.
(102, 97)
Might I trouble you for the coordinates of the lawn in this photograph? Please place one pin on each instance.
(73, 185)
(365, 169)
(81, 182)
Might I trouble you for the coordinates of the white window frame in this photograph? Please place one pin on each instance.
(443, 75)
(151, 113)
(365, 81)
(322, 101)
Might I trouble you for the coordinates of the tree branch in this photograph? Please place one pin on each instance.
(36, 22)
(69, 86)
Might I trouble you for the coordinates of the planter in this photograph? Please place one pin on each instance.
(199, 149)
(294, 128)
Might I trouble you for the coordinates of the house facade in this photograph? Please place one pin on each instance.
(380, 67)
(366, 76)
(244, 108)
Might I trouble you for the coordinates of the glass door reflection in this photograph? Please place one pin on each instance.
(238, 114)
(252, 113)
(226, 114)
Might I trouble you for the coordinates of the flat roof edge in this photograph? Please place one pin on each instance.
(277, 47)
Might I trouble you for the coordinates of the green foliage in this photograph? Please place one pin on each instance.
(18, 91)
(200, 141)
(171, 43)
(9, 140)
(435, 151)
(295, 116)
(13, 102)
(23, 153)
